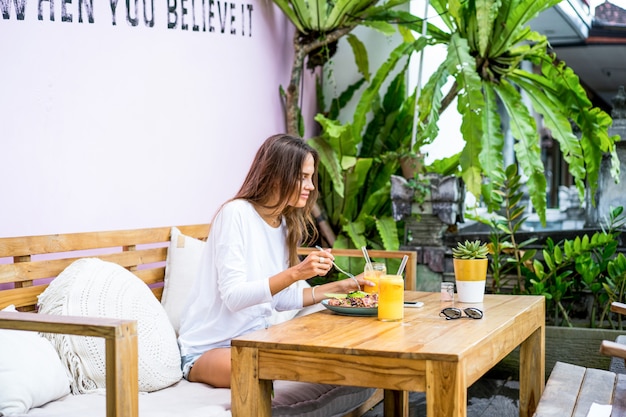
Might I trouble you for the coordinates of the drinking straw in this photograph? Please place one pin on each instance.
(366, 256)
(405, 258)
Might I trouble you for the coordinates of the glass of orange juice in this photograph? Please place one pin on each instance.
(390, 298)
(373, 273)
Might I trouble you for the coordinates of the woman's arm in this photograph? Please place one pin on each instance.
(343, 286)
(315, 264)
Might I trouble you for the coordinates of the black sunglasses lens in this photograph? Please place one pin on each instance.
(473, 313)
(451, 313)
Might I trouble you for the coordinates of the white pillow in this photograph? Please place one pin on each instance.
(181, 268)
(91, 287)
(183, 262)
(31, 373)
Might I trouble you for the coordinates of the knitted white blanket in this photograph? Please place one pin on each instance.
(95, 288)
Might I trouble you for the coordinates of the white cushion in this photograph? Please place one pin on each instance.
(194, 399)
(31, 373)
(181, 267)
(94, 288)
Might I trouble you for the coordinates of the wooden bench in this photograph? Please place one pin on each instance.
(572, 389)
(29, 263)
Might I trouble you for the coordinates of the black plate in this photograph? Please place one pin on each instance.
(352, 311)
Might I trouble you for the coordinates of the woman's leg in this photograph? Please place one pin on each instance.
(212, 368)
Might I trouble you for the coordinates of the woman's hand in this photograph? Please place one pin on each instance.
(349, 285)
(316, 263)
(344, 286)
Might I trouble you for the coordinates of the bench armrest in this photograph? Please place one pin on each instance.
(121, 351)
(410, 282)
(618, 307)
(609, 348)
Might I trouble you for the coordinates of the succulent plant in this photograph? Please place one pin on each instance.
(470, 250)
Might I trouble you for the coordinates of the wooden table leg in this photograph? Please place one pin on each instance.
(446, 390)
(250, 396)
(532, 372)
(396, 403)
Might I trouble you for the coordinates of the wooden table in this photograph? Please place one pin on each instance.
(424, 352)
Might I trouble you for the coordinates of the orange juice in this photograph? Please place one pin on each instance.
(373, 274)
(390, 298)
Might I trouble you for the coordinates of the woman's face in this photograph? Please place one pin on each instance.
(301, 196)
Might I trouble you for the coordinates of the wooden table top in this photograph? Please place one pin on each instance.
(423, 352)
(422, 335)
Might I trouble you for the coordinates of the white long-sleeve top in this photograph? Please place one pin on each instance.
(231, 295)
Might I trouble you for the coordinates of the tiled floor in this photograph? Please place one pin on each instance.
(492, 396)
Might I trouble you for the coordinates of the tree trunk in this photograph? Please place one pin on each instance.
(292, 108)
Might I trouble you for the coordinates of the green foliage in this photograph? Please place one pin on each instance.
(509, 256)
(615, 288)
(563, 272)
(488, 42)
(357, 159)
(493, 59)
(583, 265)
(470, 250)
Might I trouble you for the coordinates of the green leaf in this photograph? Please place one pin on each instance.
(388, 232)
(592, 122)
(513, 19)
(328, 157)
(492, 141)
(356, 230)
(585, 242)
(470, 105)
(406, 20)
(547, 258)
(527, 255)
(355, 177)
(361, 111)
(577, 245)
(429, 102)
(441, 7)
(559, 125)
(385, 28)
(344, 98)
(538, 267)
(486, 13)
(375, 202)
(341, 11)
(558, 255)
(526, 147)
(286, 7)
(360, 55)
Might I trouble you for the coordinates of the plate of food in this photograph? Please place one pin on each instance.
(357, 303)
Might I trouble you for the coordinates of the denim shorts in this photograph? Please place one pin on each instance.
(187, 362)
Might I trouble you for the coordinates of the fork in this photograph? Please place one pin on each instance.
(335, 265)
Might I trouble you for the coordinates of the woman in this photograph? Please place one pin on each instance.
(250, 261)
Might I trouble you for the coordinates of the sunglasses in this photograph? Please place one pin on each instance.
(452, 313)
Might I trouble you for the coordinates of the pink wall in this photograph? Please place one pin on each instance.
(109, 126)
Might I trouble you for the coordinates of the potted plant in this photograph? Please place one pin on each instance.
(412, 165)
(470, 270)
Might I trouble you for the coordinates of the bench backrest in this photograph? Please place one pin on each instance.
(30, 262)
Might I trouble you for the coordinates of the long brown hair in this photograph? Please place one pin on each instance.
(274, 177)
